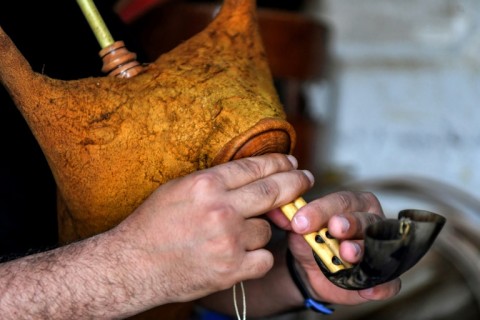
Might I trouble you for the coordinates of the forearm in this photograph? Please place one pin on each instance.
(273, 294)
(88, 279)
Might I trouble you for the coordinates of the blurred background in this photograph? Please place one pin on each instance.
(399, 114)
(383, 95)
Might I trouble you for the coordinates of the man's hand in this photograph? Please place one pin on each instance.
(346, 214)
(193, 236)
(203, 233)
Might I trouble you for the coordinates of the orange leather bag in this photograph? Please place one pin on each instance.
(110, 142)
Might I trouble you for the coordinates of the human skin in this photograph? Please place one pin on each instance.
(346, 214)
(193, 236)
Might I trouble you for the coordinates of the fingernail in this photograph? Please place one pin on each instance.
(344, 223)
(309, 176)
(356, 248)
(293, 160)
(301, 222)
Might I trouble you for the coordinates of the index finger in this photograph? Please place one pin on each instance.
(270, 192)
(237, 173)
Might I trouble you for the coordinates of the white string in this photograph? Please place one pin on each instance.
(244, 313)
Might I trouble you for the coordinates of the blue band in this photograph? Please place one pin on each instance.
(317, 306)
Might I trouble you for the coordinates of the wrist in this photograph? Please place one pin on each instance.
(309, 301)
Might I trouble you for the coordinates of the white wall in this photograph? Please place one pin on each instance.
(408, 80)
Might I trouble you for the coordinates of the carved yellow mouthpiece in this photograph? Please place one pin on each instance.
(323, 244)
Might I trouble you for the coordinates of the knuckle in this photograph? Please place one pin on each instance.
(258, 167)
(251, 167)
(221, 215)
(228, 264)
(226, 247)
(370, 198)
(303, 182)
(226, 257)
(268, 190)
(204, 181)
(344, 200)
(370, 218)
